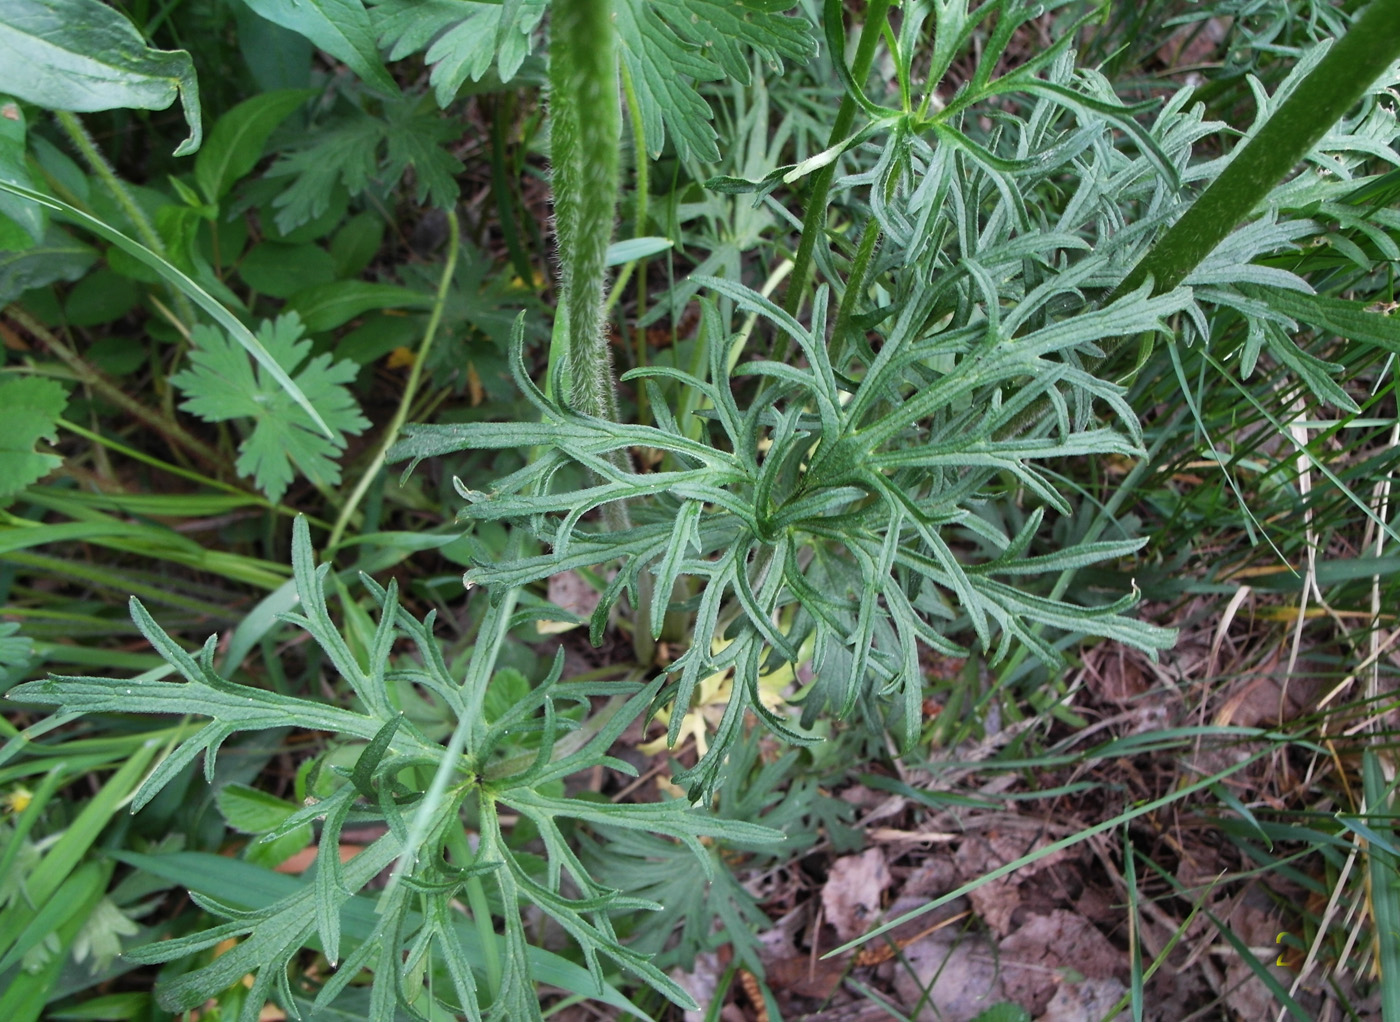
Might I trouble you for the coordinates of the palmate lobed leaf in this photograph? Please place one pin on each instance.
(221, 385)
(361, 147)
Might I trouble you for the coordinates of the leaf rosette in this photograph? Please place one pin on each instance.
(832, 508)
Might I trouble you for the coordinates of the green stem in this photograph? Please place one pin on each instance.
(585, 145)
(642, 162)
(814, 221)
(1342, 77)
(486, 934)
(87, 148)
(505, 197)
(410, 390)
(586, 134)
(855, 287)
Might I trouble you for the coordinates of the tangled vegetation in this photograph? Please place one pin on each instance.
(486, 487)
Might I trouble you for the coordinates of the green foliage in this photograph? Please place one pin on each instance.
(83, 55)
(16, 651)
(1326, 87)
(29, 411)
(668, 46)
(358, 150)
(57, 257)
(810, 497)
(485, 768)
(340, 27)
(585, 136)
(834, 535)
(221, 385)
(22, 223)
(463, 40)
(238, 140)
(779, 795)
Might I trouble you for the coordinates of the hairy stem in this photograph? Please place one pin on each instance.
(642, 161)
(87, 148)
(585, 144)
(585, 136)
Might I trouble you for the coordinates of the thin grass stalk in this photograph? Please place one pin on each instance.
(186, 285)
(1383, 878)
(1119, 820)
(410, 390)
(814, 220)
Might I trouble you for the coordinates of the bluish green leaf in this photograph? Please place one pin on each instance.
(82, 55)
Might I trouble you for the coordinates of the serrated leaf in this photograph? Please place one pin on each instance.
(669, 44)
(340, 27)
(83, 55)
(29, 411)
(463, 38)
(101, 935)
(730, 33)
(345, 152)
(221, 384)
(414, 135)
(358, 150)
(251, 811)
(179, 279)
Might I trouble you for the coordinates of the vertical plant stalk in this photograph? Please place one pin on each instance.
(856, 284)
(585, 150)
(814, 220)
(585, 138)
(410, 390)
(642, 162)
(505, 197)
